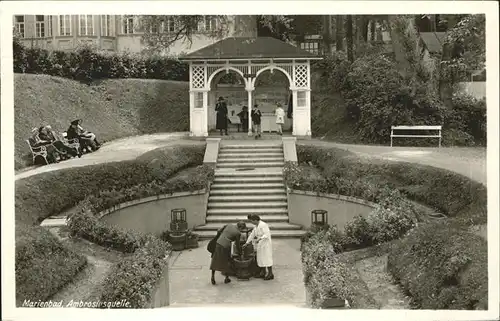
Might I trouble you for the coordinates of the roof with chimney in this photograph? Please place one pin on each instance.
(249, 48)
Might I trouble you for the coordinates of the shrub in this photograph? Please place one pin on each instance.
(442, 267)
(135, 278)
(40, 196)
(379, 96)
(87, 64)
(326, 276)
(42, 264)
(467, 118)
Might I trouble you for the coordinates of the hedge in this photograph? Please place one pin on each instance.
(442, 267)
(52, 193)
(86, 64)
(345, 173)
(461, 199)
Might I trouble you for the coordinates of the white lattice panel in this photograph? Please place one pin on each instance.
(198, 76)
(301, 75)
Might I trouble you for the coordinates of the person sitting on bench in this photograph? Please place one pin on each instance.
(86, 139)
(35, 141)
(46, 134)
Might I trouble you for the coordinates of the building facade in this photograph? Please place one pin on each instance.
(116, 33)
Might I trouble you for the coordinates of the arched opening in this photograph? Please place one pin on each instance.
(230, 85)
(271, 88)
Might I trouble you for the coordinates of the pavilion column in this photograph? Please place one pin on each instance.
(295, 118)
(249, 90)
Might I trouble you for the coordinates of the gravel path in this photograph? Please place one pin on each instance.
(380, 284)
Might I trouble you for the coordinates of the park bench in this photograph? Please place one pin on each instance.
(37, 151)
(426, 128)
(73, 143)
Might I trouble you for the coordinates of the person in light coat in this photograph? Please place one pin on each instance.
(280, 118)
(261, 234)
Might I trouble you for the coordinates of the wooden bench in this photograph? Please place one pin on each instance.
(433, 128)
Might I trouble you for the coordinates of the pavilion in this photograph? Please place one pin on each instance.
(249, 57)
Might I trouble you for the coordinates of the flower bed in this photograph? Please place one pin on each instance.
(52, 193)
(389, 185)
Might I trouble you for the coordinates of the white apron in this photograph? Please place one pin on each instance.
(264, 247)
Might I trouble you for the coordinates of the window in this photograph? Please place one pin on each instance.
(19, 26)
(39, 26)
(86, 25)
(208, 23)
(312, 47)
(106, 26)
(168, 26)
(49, 26)
(198, 100)
(65, 25)
(128, 24)
(301, 99)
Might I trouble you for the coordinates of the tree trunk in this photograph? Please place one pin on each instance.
(372, 30)
(339, 33)
(327, 36)
(349, 38)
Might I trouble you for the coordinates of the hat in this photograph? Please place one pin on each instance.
(221, 98)
(75, 122)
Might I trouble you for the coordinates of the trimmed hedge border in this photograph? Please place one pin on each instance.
(461, 199)
(41, 196)
(87, 65)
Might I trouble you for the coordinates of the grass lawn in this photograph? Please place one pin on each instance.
(111, 109)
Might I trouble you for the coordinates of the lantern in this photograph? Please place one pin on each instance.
(178, 221)
(319, 217)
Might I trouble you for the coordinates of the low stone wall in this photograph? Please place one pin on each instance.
(152, 214)
(341, 209)
(161, 295)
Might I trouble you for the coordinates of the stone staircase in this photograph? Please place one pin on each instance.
(249, 179)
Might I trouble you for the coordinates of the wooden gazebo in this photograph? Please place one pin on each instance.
(249, 57)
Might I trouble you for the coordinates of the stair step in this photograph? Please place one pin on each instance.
(253, 146)
(246, 211)
(246, 186)
(204, 235)
(248, 198)
(243, 217)
(241, 205)
(248, 179)
(250, 160)
(245, 192)
(250, 173)
(251, 165)
(272, 226)
(250, 150)
(249, 155)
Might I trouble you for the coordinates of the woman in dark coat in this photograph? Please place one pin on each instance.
(221, 120)
(221, 258)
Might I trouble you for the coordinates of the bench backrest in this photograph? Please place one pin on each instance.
(423, 127)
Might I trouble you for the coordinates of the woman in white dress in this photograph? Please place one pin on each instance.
(280, 118)
(261, 234)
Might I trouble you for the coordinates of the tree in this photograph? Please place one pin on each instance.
(161, 32)
(349, 35)
(464, 50)
(339, 33)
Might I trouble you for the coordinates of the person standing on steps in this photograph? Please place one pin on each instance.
(262, 235)
(221, 257)
(243, 115)
(221, 118)
(280, 118)
(256, 120)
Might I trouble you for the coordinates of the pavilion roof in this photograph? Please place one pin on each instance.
(249, 48)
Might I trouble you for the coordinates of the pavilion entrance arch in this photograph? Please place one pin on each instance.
(272, 86)
(249, 57)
